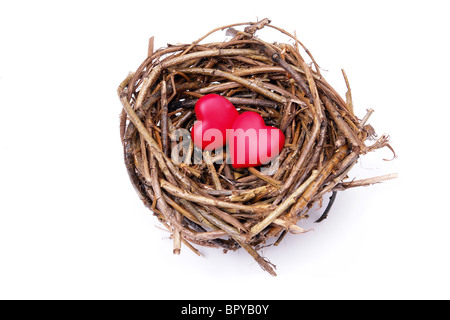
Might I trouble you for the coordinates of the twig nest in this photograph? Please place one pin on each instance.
(198, 195)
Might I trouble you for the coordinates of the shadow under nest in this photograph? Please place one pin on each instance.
(211, 203)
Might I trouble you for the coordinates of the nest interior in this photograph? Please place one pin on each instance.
(209, 203)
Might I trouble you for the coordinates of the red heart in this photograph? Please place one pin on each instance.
(215, 114)
(252, 143)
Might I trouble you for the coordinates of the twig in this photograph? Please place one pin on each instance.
(246, 83)
(282, 207)
(366, 118)
(151, 42)
(365, 182)
(348, 94)
(314, 187)
(263, 263)
(268, 179)
(164, 119)
(328, 208)
(212, 170)
(207, 201)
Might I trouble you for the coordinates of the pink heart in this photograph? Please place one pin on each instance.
(215, 114)
(252, 143)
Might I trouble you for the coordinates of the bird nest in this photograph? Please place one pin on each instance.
(198, 195)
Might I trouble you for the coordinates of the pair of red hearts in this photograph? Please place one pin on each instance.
(251, 142)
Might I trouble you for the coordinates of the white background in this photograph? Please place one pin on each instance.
(72, 227)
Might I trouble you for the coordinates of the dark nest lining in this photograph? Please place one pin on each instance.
(211, 203)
